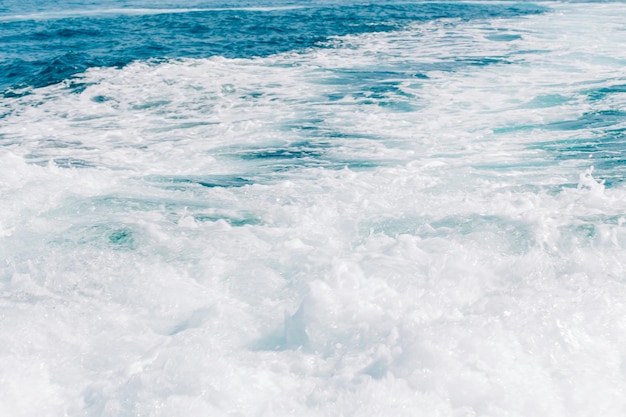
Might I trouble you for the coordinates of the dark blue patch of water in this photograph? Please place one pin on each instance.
(39, 51)
(322, 151)
(208, 181)
(590, 120)
(601, 93)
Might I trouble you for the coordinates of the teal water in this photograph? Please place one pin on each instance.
(312, 208)
(49, 42)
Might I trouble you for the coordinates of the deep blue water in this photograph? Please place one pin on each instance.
(45, 45)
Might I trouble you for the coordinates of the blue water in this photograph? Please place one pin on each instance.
(48, 43)
(312, 208)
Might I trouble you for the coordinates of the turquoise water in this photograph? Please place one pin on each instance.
(47, 43)
(312, 208)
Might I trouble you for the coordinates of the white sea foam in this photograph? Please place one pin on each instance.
(260, 237)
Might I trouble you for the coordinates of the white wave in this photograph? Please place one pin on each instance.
(464, 271)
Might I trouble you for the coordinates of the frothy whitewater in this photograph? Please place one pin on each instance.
(424, 221)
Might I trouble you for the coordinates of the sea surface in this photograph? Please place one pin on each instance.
(312, 208)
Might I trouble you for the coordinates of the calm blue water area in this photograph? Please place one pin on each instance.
(42, 43)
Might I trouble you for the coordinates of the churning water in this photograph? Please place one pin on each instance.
(312, 209)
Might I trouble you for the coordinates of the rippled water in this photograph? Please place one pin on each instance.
(390, 208)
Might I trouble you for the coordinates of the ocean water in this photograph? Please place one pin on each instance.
(312, 208)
